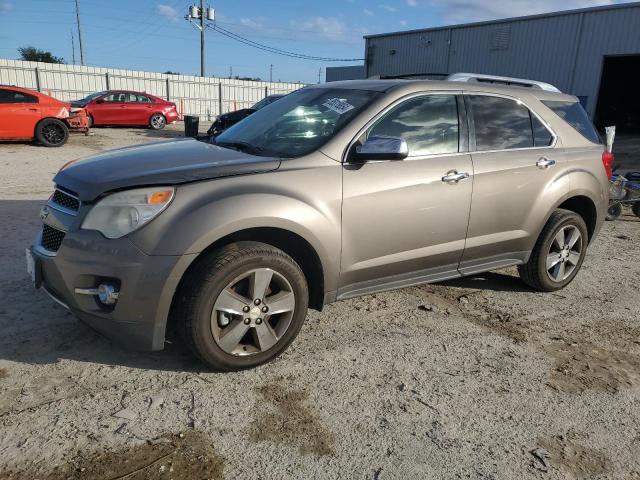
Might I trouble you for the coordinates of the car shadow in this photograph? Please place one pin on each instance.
(35, 330)
(497, 281)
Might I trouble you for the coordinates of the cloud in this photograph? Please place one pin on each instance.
(168, 12)
(475, 10)
(412, 3)
(6, 6)
(368, 12)
(403, 23)
(329, 28)
(388, 8)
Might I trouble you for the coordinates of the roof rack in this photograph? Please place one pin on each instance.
(516, 82)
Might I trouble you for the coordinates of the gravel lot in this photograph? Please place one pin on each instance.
(463, 379)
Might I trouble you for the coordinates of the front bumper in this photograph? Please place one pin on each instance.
(147, 284)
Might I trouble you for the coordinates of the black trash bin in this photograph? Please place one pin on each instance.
(191, 124)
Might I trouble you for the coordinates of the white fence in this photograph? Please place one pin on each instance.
(205, 97)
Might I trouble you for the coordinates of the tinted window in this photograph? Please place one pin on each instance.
(500, 123)
(428, 124)
(574, 115)
(13, 96)
(542, 137)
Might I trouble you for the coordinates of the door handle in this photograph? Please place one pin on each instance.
(545, 163)
(33, 109)
(453, 177)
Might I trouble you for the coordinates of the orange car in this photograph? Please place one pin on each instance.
(25, 115)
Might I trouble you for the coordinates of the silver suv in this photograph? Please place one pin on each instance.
(333, 191)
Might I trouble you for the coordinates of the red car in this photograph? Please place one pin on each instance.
(25, 115)
(124, 107)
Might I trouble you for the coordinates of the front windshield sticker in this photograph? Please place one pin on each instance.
(337, 105)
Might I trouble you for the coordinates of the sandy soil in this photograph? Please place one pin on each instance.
(474, 378)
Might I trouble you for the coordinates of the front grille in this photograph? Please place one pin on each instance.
(65, 200)
(51, 238)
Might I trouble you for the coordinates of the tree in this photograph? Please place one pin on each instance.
(32, 54)
(169, 72)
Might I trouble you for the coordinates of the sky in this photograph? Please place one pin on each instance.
(153, 35)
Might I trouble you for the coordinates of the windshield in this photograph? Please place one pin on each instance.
(266, 101)
(297, 124)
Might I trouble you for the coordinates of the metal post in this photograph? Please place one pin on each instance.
(271, 72)
(79, 33)
(37, 72)
(202, 14)
(266, 91)
(168, 91)
(73, 48)
(106, 77)
(220, 99)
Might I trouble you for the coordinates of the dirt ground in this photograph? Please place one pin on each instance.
(473, 378)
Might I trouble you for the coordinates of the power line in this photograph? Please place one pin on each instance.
(278, 51)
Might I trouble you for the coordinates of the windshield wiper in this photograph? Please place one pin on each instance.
(242, 147)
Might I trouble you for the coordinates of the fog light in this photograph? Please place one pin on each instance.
(107, 294)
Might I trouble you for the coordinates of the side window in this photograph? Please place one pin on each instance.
(575, 115)
(118, 97)
(500, 123)
(542, 137)
(13, 96)
(428, 124)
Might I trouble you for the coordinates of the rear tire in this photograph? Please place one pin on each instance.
(614, 211)
(90, 120)
(558, 253)
(223, 325)
(52, 132)
(157, 121)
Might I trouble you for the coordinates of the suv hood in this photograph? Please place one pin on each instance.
(161, 163)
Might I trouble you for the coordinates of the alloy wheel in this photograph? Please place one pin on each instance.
(53, 133)
(157, 121)
(252, 312)
(564, 253)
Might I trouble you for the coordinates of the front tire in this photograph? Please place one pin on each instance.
(242, 305)
(52, 132)
(157, 121)
(613, 212)
(558, 253)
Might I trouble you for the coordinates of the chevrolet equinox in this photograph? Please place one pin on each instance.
(334, 191)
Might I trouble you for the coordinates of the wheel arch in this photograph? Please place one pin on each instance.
(586, 208)
(293, 244)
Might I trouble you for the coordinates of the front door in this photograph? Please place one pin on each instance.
(402, 223)
(19, 114)
(109, 110)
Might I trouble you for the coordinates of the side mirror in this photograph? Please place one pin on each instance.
(381, 148)
(100, 100)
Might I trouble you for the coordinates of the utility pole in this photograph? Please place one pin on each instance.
(73, 48)
(199, 13)
(319, 74)
(271, 72)
(79, 32)
(231, 71)
(202, 38)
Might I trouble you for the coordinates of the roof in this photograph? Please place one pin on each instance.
(512, 19)
(426, 85)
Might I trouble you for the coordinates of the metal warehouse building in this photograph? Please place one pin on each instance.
(593, 53)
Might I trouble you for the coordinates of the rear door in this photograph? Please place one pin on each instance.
(402, 222)
(138, 109)
(516, 168)
(19, 114)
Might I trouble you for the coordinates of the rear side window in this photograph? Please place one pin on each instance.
(500, 123)
(574, 115)
(428, 124)
(13, 96)
(541, 135)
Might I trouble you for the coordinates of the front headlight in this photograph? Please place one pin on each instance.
(123, 212)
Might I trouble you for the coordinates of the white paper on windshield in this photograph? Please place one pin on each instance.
(337, 105)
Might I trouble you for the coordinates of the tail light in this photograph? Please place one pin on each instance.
(173, 105)
(607, 160)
